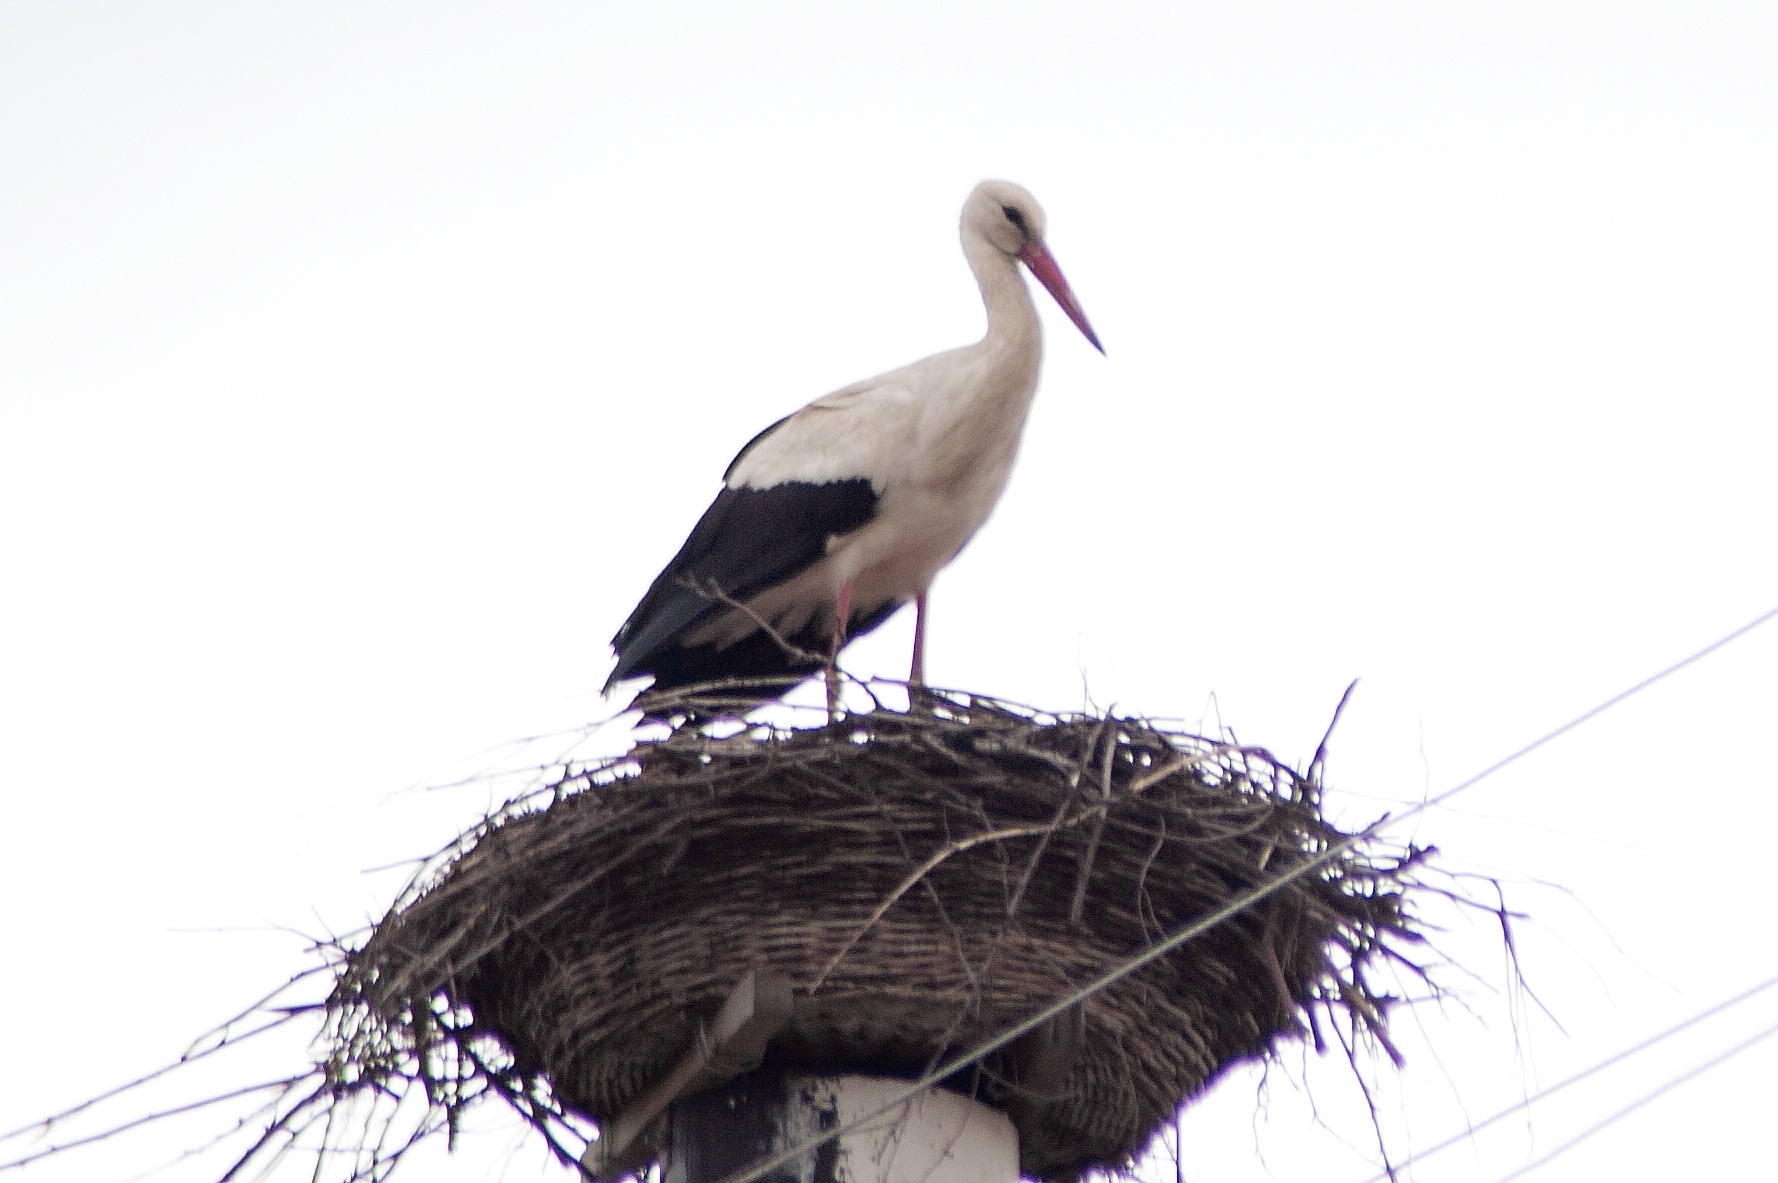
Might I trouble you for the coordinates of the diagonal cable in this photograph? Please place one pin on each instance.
(1714, 1062)
(1584, 1074)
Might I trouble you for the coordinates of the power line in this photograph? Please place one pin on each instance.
(1602, 1065)
(1228, 911)
(1724, 1058)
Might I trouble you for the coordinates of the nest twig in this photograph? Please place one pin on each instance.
(924, 878)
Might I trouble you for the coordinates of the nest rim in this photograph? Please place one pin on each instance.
(428, 1004)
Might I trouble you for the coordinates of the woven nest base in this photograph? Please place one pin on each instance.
(925, 880)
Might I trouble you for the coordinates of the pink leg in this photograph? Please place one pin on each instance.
(917, 673)
(842, 615)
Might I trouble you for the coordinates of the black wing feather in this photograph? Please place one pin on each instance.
(747, 541)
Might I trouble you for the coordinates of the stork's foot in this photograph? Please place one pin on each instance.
(921, 699)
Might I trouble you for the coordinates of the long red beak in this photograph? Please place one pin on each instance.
(1043, 265)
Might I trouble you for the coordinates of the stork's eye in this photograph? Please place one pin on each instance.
(1017, 219)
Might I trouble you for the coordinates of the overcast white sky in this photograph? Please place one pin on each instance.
(361, 363)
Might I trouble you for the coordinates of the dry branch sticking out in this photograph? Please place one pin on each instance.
(924, 879)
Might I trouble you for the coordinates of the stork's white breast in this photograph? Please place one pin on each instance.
(936, 440)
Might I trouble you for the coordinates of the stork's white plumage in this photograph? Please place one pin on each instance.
(834, 517)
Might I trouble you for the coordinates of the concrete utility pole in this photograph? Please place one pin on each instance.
(937, 1137)
(720, 1115)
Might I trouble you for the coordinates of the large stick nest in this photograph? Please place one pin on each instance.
(926, 880)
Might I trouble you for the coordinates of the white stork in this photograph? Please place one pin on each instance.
(832, 518)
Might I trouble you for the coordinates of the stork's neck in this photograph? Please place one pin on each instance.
(1012, 318)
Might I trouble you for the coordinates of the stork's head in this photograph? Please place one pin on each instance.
(1008, 218)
